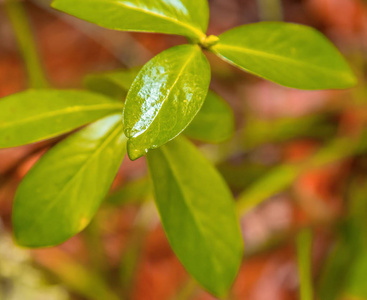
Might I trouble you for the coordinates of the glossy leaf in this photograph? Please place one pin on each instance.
(165, 97)
(37, 115)
(289, 54)
(62, 192)
(198, 214)
(113, 84)
(214, 123)
(182, 17)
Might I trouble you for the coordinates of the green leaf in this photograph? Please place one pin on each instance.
(37, 115)
(182, 17)
(198, 214)
(214, 123)
(165, 97)
(113, 84)
(293, 55)
(61, 193)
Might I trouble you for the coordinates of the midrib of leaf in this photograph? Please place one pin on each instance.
(112, 134)
(280, 58)
(51, 114)
(197, 32)
(199, 225)
(170, 91)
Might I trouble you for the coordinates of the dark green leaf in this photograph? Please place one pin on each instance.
(183, 17)
(165, 97)
(62, 192)
(113, 84)
(289, 54)
(36, 115)
(198, 214)
(215, 121)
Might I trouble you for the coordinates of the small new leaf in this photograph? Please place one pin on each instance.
(61, 193)
(165, 97)
(37, 115)
(292, 55)
(182, 17)
(198, 214)
(214, 123)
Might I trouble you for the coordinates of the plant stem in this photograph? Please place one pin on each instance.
(92, 235)
(75, 276)
(130, 259)
(27, 47)
(270, 10)
(304, 253)
(283, 176)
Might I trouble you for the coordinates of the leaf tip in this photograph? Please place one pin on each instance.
(133, 152)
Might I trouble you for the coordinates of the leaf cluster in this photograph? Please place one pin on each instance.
(166, 97)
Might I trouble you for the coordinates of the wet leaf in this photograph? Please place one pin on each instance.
(165, 97)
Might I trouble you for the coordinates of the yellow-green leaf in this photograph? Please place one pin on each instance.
(61, 193)
(37, 115)
(182, 17)
(165, 97)
(198, 214)
(293, 55)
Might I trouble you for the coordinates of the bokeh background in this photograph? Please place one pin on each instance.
(298, 160)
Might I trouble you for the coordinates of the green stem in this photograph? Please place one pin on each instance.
(27, 47)
(92, 235)
(130, 259)
(304, 253)
(282, 177)
(270, 10)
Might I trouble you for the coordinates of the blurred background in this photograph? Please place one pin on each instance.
(298, 160)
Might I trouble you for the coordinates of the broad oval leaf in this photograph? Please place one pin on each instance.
(37, 115)
(292, 55)
(215, 121)
(198, 214)
(182, 17)
(165, 97)
(61, 193)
